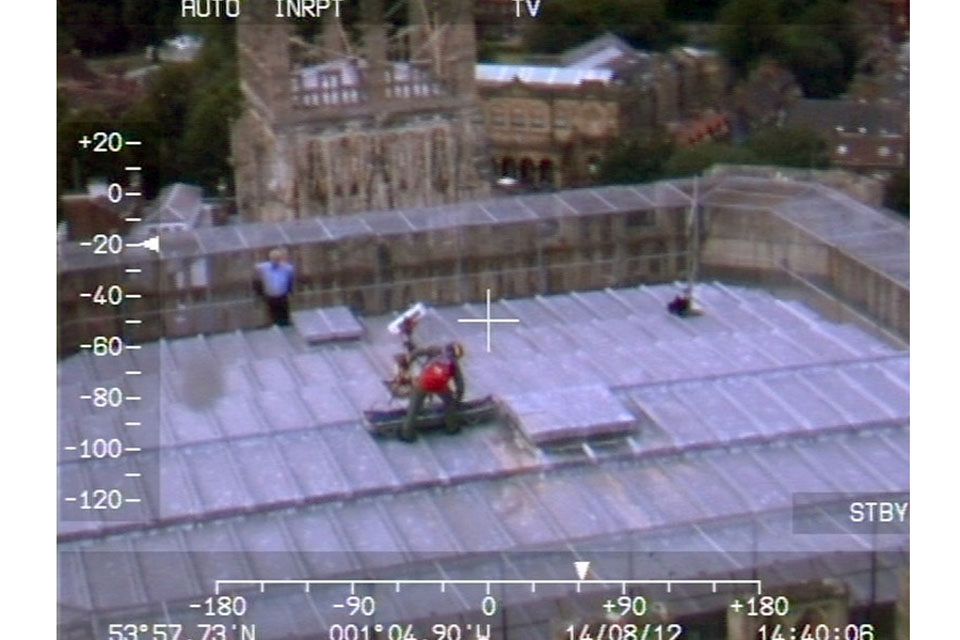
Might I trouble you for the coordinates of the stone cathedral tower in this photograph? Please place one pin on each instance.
(375, 109)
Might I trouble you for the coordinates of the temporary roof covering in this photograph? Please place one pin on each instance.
(654, 446)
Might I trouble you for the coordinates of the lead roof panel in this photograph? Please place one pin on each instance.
(360, 459)
(237, 416)
(875, 383)
(176, 496)
(266, 471)
(578, 515)
(312, 464)
(422, 527)
(327, 405)
(268, 547)
(235, 474)
(283, 411)
(369, 532)
(468, 516)
(215, 475)
(836, 388)
(519, 513)
(413, 465)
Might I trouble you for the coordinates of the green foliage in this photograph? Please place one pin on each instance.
(149, 22)
(833, 22)
(817, 64)
(790, 147)
(101, 27)
(206, 138)
(693, 160)
(822, 49)
(92, 26)
(693, 10)
(897, 196)
(562, 24)
(815, 39)
(636, 158)
(748, 30)
(183, 123)
(75, 166)
(791, 10)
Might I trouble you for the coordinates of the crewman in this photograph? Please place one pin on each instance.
(440, 376)
(684, 305)
(274, 282)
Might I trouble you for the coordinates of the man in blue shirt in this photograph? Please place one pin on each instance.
(274, 281)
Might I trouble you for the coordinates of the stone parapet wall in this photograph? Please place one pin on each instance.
(375, 263)
(517, 247)
(753, 241)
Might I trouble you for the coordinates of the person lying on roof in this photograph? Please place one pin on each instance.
(684, 305)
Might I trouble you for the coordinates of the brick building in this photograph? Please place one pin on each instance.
(549, 126)
(866, 137)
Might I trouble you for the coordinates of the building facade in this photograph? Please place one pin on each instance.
(550, 126)
(367, 117)
(867, 137)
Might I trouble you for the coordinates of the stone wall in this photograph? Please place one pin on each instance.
(757, 244)
(393, 124)
(375, 263)
(517, 247)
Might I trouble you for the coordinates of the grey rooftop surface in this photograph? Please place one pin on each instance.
(622, 429)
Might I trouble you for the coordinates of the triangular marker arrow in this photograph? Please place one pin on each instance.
(582, 566)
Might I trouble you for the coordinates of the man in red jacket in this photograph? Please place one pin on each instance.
(438, 375)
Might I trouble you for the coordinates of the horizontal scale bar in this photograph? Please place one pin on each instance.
(442, 582)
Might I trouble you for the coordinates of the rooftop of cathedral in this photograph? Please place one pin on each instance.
(624, 429)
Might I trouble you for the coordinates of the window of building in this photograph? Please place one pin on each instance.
(842, 149)
(518, 120)
(883, 152)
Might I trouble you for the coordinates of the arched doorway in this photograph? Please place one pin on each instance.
(546, 173)
(508, 168)
(527, 171)
(593, 167)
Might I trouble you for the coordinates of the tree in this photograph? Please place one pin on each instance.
(636, 158)
(76, 165)
(791, 10)
(184, 119)
(790, 147)
(822, 49)
(693, 10)
(206, 137)
(747, 31)
(694, 160)
(92, 26)
(563, 24)
(149, 22)
(817, 64)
